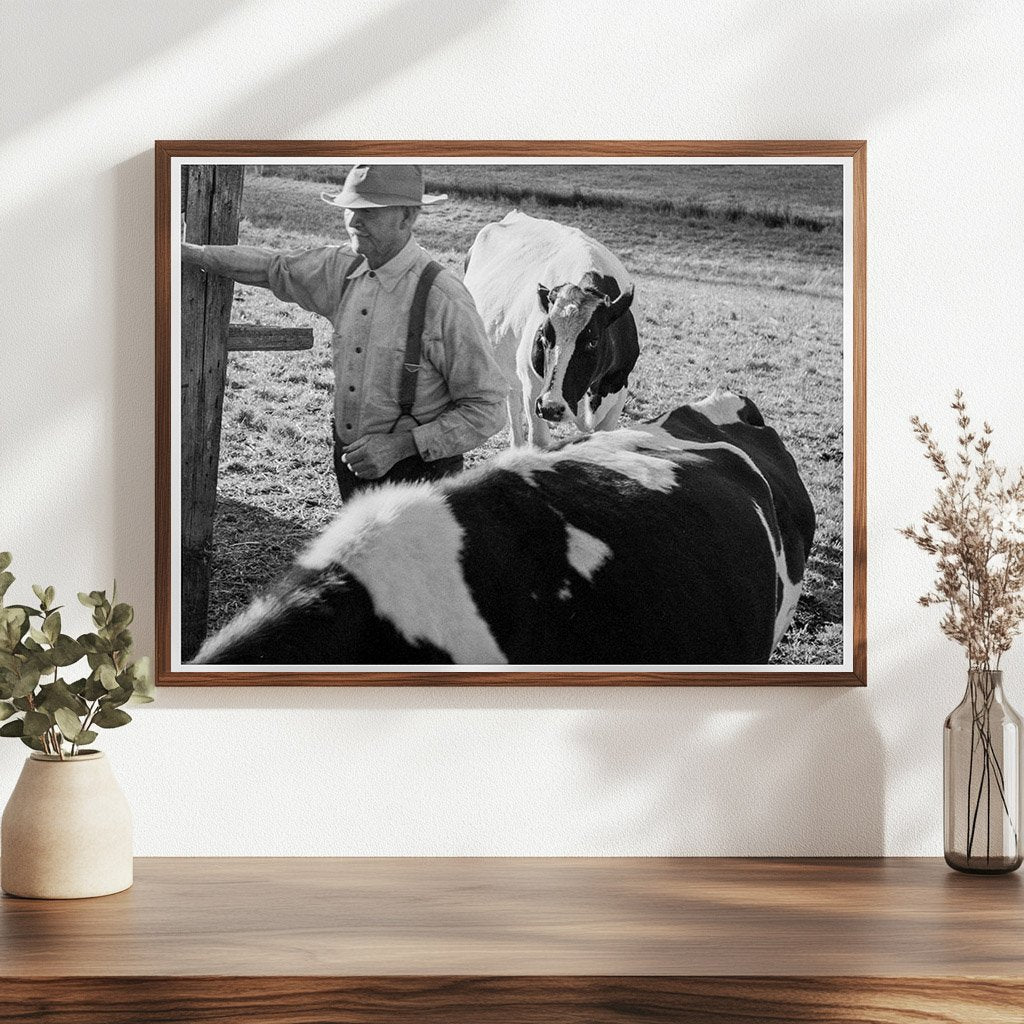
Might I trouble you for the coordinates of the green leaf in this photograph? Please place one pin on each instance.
(59, 695)
(107, 676)
(10, 662)
(13, 626)
(87, 736)
(89, 600)
(87, 641)
(97, 661)
(122, 616)
(6, 579)
(31, 741)
(94, 689)
(36, 723)
(115, 698)
(51, 626)
(111, 718)
(50, 595)
(6, 710)
(38, 635)
(96, 645)
(40, 593)
(27, 681)
(29, 611)
(15, 728)
(67, 651)
(22, 703)
(142, 679)
(69, 724)
(5, 559)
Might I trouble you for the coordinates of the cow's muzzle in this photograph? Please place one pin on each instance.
(550, 409)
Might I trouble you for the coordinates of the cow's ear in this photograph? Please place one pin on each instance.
(620, 305)
(542, 295)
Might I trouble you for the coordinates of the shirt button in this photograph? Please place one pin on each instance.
(358, 351)
(351, 387)
(348, 426)
(371, 274)
(364, 311)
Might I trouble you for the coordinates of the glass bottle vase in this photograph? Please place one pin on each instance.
(981, 773)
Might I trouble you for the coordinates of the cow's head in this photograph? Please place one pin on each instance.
(574, 345)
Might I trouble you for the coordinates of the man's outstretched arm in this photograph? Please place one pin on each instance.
(243, 263)
(312, 278)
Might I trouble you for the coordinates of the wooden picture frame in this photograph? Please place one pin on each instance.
(197, 326)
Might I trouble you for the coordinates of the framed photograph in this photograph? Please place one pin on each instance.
(527, 413)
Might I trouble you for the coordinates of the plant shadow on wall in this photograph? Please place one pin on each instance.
(721, 771)
(119, 43)
(809, 51)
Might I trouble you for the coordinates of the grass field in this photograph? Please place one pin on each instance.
(739, 284)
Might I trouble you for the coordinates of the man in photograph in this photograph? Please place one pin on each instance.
(416, 384)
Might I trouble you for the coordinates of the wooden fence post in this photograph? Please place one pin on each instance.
(211, 201)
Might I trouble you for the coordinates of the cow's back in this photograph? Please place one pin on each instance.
(511, 257)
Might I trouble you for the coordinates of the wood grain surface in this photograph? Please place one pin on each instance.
(511, 1000)
(523, 939)
(212, 149)
(255, 338)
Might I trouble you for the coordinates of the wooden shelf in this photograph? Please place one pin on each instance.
(347, 941)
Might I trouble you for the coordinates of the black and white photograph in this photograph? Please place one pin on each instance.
(511, 415)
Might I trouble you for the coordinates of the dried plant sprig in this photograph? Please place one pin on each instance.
(975, 530)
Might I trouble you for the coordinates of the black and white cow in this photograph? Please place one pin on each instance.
(556, 306)
(679, 543)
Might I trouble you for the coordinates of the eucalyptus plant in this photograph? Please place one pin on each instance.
(46, 712)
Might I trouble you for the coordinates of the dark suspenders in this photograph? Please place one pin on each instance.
(413, 337)
(414, 342)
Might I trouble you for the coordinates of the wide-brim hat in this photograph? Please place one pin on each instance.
(370, 185)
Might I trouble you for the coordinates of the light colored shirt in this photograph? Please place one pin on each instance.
(460, 391)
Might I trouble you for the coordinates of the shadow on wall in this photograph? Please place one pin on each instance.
(737, 771)
(118, 39)
(394, 39)
(79, 48)
(812, 53)
(693, 771)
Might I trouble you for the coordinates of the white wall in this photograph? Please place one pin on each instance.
(937, 90)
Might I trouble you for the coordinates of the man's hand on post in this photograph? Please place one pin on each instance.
(373, 455)
(191, 253)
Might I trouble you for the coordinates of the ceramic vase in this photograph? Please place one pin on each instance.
(66, 831)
